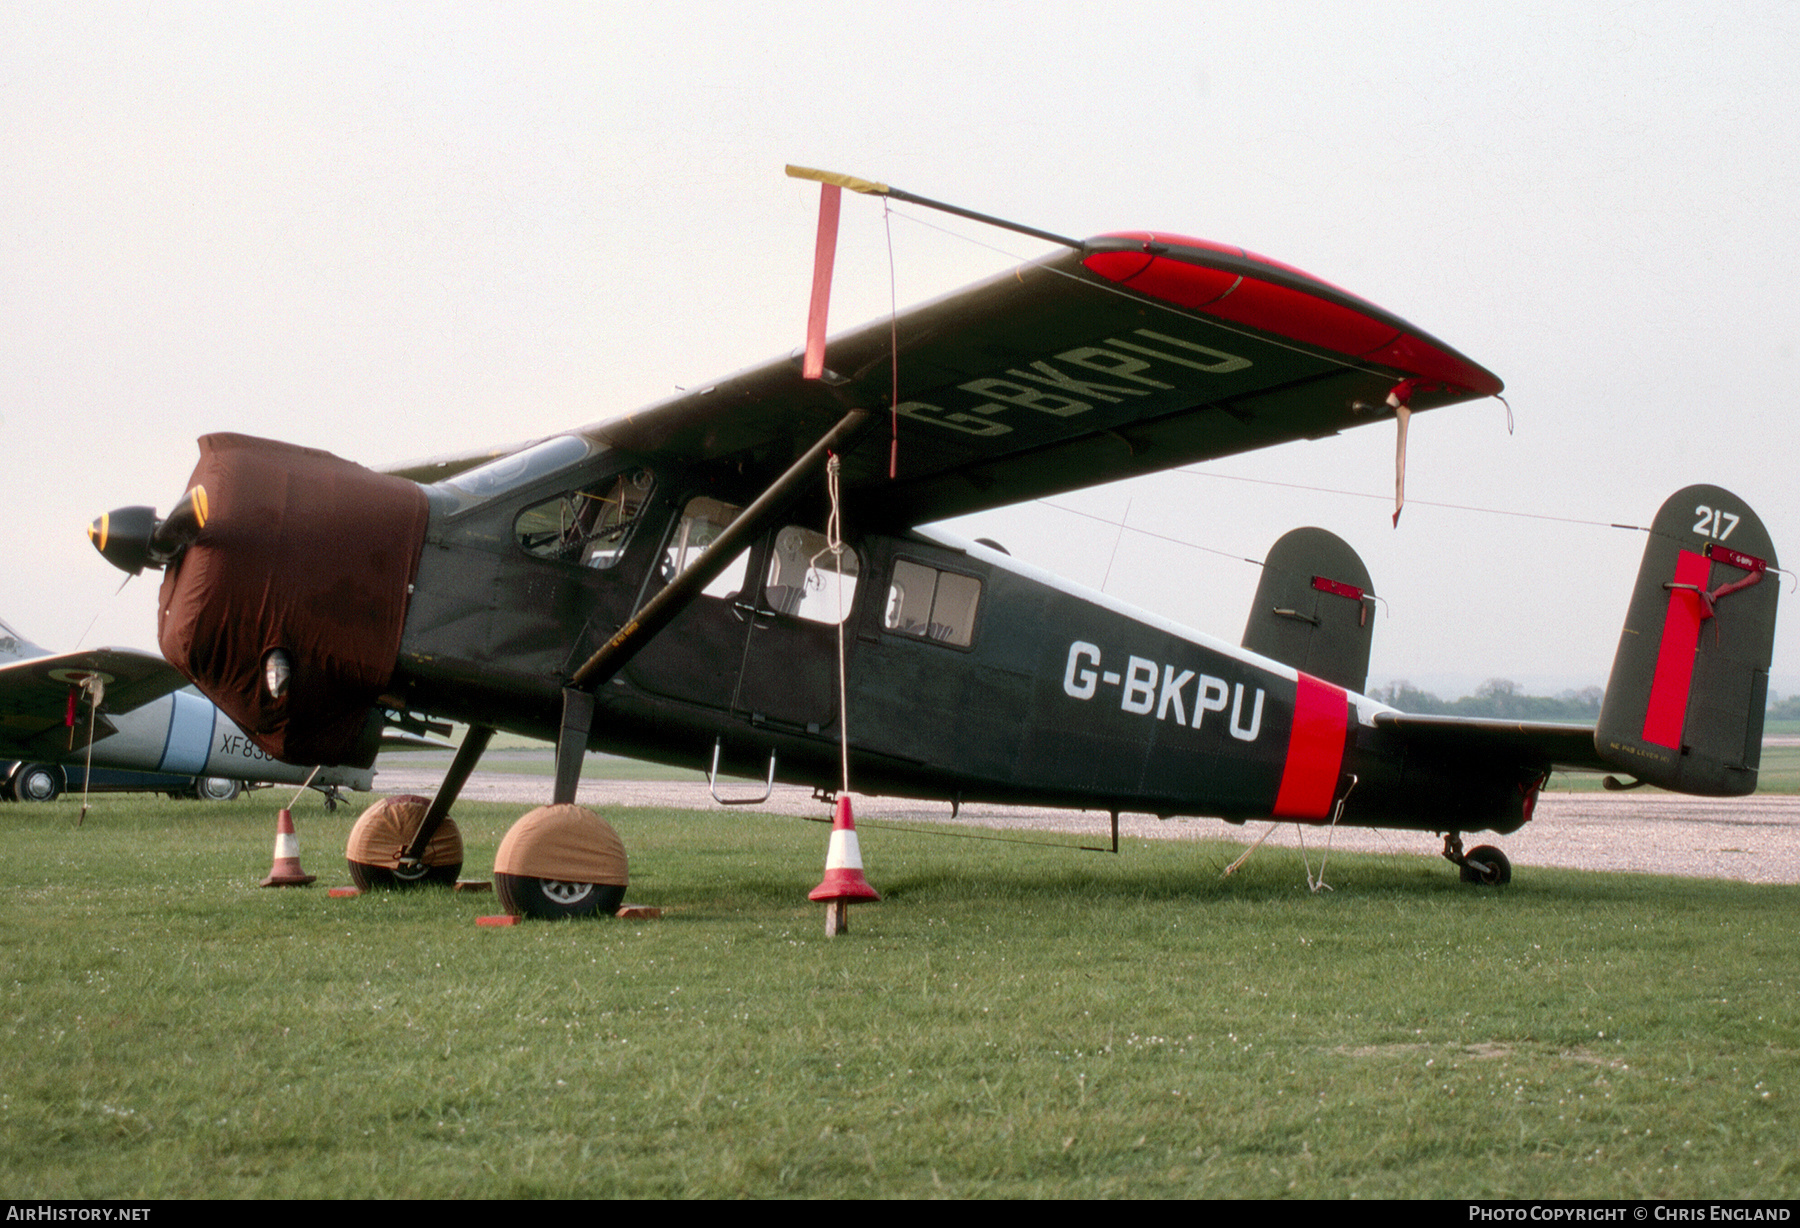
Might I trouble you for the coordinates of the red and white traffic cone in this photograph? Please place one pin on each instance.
(844, 879)
(286, 871)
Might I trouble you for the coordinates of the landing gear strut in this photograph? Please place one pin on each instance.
(1483, 864)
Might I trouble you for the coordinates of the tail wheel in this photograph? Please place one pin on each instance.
(1487, 865)
(560, 861)
(381, 835)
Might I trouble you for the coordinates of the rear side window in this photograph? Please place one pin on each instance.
(930, 604)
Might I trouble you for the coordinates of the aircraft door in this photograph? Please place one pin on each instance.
(790, 670)
(761, 640)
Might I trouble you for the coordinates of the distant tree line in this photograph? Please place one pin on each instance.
(1497, 697)
(1501, 697)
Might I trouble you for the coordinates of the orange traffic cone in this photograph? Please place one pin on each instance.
(844, 879)
(286, 871)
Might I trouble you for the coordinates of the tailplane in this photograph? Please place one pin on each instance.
(1684, 706)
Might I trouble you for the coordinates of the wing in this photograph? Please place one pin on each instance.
(34, 695)
(1137, 353)
(1539, 744)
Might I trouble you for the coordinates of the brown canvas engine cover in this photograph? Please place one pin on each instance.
(302, 551)
(566, 843)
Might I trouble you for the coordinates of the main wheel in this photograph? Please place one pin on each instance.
(392, 878)
(1487, 865)
(382, 833)
(560, 861)
(217, 789)
(35, 782)
(551, 898)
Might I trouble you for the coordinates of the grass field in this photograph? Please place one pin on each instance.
(1010, 1021)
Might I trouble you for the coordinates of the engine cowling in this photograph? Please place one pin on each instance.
(305, 561)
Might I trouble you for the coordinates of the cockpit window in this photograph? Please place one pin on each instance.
(511, 472)
(702, 521)
(589, 526)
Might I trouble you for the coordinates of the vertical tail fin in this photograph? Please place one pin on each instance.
(1314, 608)
(1684, 706)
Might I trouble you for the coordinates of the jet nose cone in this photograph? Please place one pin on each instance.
(122, 537)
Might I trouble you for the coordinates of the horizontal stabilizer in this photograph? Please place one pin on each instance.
(1535, 746)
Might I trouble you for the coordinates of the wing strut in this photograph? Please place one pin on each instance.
(660, 610)
(473, 744)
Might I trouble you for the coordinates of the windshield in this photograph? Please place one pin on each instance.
(509, 472)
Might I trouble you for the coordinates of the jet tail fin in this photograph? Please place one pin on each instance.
(1684, 706)
(1314, 608)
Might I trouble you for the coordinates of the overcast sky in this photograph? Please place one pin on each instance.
(395, 230)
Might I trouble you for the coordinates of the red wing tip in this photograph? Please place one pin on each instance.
(1288, 302)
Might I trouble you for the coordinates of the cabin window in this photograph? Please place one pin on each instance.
(702, 521)
(931, 604)
(806, 580)
(590, 526)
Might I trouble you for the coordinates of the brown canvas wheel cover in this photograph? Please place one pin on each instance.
(563, 843)
(383, 830)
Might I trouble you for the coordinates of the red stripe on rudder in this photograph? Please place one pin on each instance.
(1666, 712)
(1315, 751)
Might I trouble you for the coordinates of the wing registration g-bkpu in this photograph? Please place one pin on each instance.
(1137, 353)
(684, 581)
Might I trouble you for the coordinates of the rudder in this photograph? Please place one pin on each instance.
(1684, 705)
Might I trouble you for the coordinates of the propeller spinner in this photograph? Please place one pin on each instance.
(132, 538)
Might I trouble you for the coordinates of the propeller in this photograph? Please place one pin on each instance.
(132, 538)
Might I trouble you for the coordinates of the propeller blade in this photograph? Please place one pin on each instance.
(182, 525)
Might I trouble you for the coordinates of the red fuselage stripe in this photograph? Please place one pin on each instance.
(1667, 710)
(1315, 751)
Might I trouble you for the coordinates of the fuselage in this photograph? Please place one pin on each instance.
(967, 674)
